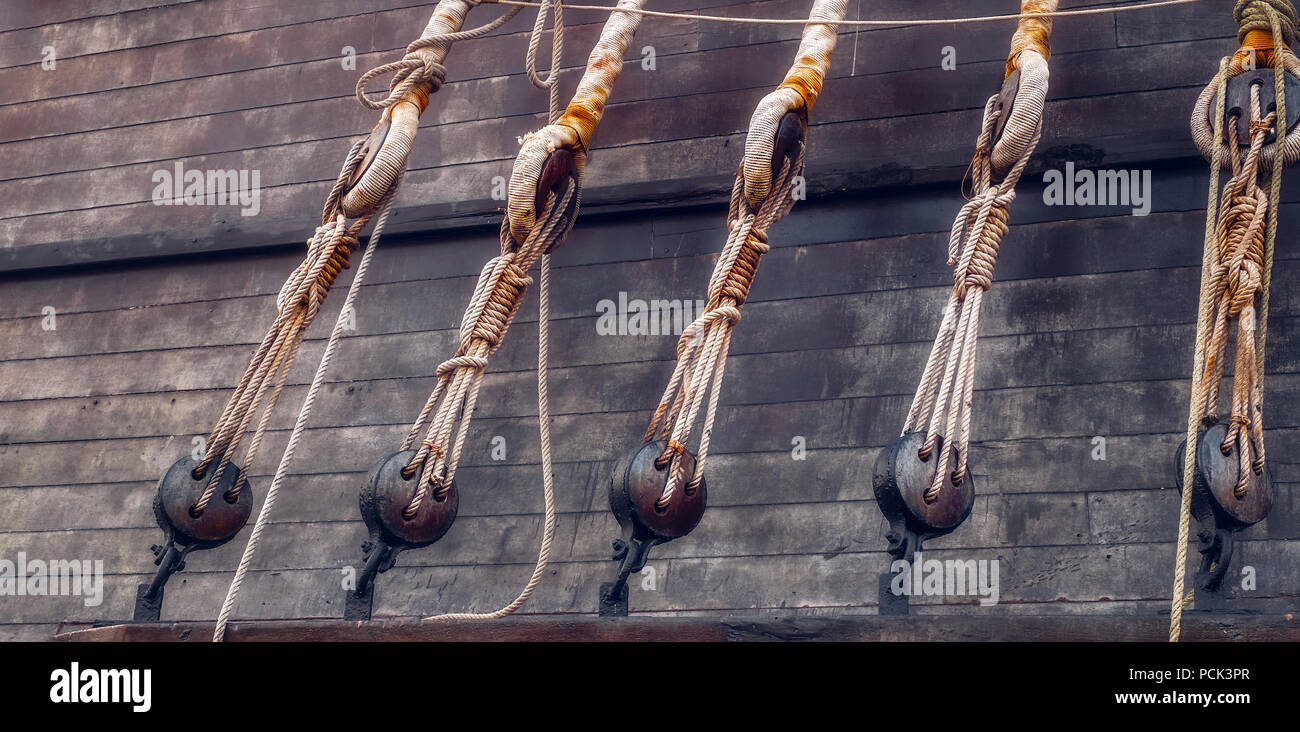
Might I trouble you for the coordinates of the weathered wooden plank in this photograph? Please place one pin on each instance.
(25, 14)
(1105, 629)
(1032, 576)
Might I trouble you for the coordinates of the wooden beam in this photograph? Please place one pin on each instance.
(1196, 627)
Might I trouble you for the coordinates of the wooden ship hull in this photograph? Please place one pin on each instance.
(125, 324)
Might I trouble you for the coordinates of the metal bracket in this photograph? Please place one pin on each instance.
(149, 598)
(634, 553)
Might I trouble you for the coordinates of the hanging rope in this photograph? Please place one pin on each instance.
(1237, 260)
(329, 251)
(348, 208)
(760, 197)
(529, 233)
(942, 405)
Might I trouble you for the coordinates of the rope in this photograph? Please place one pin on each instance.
(942, 404)
(868, 23)
(264, 514)
(1236, 269)
(504, 279)
(347, 210)
(758, 200)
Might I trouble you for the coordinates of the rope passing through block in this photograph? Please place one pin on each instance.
(1236, 269)
(1008, 136)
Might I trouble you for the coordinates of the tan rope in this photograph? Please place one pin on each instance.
(867, 23)
(348, 208)
(758, 200)
(264, 514)
(1236, 267)
(504, 280)
(942, 404)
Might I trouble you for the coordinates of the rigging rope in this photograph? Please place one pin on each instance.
(1237, 260)
(328, 252)
(529, 233)
(348, 208)
(759, 198)
(942, 405)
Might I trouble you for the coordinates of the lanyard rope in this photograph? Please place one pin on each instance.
(1237, 261)
(761, 196)
(348, 208)
(942, 404)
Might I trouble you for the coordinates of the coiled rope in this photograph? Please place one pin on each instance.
(1237, 261)
(759, 198)
(328, 253)
(942, 405)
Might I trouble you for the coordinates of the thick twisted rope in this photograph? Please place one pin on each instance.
(1235, 267)
(760, 197)
(942, 404)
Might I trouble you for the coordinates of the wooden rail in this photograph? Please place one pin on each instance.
(1196, 627)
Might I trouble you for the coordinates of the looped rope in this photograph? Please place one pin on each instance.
(942, 404)
(416, 67)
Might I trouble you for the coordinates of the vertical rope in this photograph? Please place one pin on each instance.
(1198, 363)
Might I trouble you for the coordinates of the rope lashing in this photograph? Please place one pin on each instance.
(1237, 260)
(942, 404)
(761, 196)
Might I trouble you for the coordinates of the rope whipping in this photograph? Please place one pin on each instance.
(1237, 259)
(763, 193)
(942, 405)
(348, 207)
(538, 219)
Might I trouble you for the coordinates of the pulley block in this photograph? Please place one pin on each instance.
(902, 478)
(559, 173)
(635, 488)
(224, 515)
(1215, 482)
(384, 499)
(386, 496)
(1238, 103)
(1218, 510)
(789, 141)
(175, 507)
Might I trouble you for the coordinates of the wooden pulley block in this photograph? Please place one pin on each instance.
(635, 489)
(370, 150)
(1005, 103)
(1237, 104)
(559, 172)
(1215, 482)
(789, 141)
(386, 495)
(902, 479)
(220, 520)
